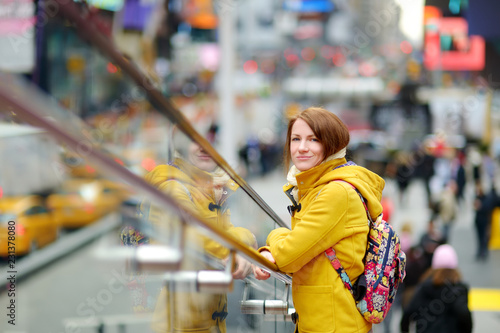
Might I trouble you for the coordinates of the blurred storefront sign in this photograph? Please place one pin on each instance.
(332, 87)
(136, 13)
(111, 5)
(17, 45)
(448, 46)
(309, 6)
(200, 14)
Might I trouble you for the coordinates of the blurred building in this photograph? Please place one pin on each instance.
(345, 55)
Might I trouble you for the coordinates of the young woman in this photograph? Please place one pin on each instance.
(197, 183)
(326, 212)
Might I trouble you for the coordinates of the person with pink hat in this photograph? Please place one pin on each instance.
(440, 303)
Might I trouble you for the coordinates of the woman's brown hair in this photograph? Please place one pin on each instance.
(326, 126)
(442, 276)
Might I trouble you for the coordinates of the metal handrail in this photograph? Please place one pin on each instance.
(91, 33)
(36, 109)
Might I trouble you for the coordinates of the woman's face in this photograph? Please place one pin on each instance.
(199, 158)
(305, 149)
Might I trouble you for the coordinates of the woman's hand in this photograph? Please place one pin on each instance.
(260, 273)
(243, 268)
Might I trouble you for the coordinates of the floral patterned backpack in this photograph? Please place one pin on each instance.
(385, 262)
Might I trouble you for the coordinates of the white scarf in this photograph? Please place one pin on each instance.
(292, 173)
(219, 178)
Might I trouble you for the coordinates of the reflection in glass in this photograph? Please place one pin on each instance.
(202, 188)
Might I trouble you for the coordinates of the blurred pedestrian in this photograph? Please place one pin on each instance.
(484, 204)
(326, 212)
(447, 208)
(416, 265)
(460, 176)
(425, 168)
(406, 236)
(440, 303)
(430, 240)
(404, 174)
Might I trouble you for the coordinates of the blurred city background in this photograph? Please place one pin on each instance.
(416, 82)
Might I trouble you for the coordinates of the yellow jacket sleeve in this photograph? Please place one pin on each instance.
(319, 225)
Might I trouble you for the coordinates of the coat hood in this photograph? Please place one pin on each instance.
(178, 170)
(368, 183)
(186, 173)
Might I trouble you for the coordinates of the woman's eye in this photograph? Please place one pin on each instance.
(295, 139)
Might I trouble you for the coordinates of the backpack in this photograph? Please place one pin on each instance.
(385, 263)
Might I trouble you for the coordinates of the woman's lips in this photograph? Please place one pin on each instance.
(204, 157)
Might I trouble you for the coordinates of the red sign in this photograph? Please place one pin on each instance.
(467, 52)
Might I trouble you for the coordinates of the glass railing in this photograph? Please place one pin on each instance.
(145, 226)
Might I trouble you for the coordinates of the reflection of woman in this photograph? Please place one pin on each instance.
(201, 187)
(325, 213)
(440, 303)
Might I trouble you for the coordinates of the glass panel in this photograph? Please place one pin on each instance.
(114, 255)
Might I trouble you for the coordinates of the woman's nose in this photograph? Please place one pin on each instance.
(303, 145)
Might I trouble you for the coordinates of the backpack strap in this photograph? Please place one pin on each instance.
(351, 163)
(357, 290)
(332, 256)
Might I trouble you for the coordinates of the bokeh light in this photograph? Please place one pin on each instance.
(406, 47)
(338, 59)
(111, 68)
(308, 53)
(148, 163)
(267, 66)
(89, 169)
(292, 60)
(250, 67)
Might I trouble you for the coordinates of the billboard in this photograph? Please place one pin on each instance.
(448, 45)
(111, 5)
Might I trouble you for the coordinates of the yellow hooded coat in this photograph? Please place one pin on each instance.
(194, 190)
(330, 213)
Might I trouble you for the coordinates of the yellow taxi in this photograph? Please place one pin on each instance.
(82, 201)
(25, 224)
(78, 167)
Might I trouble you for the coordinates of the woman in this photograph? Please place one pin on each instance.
(201, 187)
(440, 303)
(326, 212)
